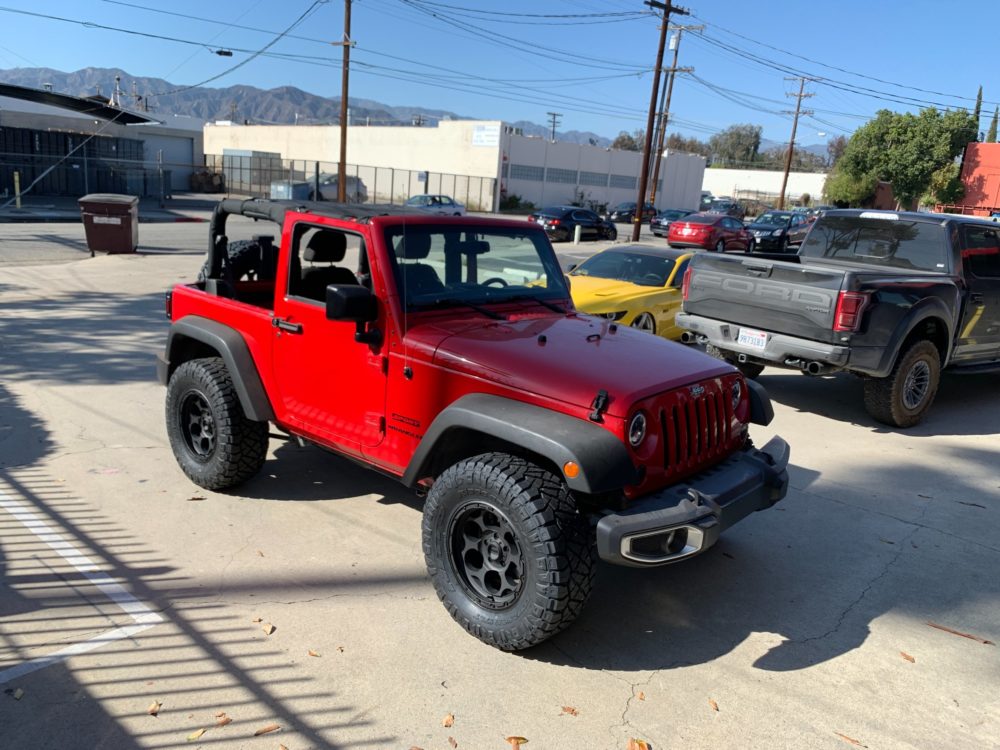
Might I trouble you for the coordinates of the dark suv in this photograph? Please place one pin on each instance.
(624, 213)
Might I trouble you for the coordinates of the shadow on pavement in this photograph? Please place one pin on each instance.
(965, 404)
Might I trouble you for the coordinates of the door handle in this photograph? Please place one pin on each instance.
(284, 325)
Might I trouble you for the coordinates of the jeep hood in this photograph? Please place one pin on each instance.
(571, 358)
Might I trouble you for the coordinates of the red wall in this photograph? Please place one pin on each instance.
(981, 177)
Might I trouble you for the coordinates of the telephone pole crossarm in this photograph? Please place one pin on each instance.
(795, 124)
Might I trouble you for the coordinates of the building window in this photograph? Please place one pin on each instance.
(567, 176)
(622, 181)
(597, 179)
(525, 172)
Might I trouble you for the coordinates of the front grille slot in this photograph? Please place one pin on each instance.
(695, 428)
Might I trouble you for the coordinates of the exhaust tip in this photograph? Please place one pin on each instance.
(663, 546)
(687, 337)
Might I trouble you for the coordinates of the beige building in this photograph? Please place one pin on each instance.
(477, 162)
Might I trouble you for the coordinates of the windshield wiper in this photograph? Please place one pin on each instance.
(528, 297)
(444, 301)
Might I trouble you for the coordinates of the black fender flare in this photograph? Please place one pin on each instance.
(761, 410)
(233, 349)
(604, 461)
(931, 307)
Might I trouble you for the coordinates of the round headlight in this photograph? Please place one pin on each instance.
(737, 393)
(637, 430)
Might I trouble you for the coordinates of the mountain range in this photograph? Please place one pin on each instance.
(284, 105)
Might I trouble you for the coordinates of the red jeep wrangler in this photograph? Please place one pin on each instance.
(445, 352)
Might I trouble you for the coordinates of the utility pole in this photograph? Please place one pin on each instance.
(795, 124)
(554, 121)
(666, 7)
(665, 114)
(346, 44)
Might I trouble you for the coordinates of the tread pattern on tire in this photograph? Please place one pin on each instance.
(241, 443)
(244, 256)
(883, 399)
(559, 544)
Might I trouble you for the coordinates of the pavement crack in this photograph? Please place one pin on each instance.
(900, 549)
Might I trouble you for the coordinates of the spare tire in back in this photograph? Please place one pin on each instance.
(244, 260)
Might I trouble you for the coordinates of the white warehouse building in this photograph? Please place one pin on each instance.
(477, 162)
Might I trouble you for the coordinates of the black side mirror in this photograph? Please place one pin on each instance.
(350, 302)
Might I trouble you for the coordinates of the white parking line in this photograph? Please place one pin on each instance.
(144, 617)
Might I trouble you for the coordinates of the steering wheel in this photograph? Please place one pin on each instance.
(495, 280)
(654, 279)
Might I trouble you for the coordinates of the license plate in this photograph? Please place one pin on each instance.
(753, 339)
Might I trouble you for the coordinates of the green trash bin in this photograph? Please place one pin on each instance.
(111, 222)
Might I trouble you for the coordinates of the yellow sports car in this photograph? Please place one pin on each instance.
(637, 285)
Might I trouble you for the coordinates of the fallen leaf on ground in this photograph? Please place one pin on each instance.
(340, 649)
(960, 633)
(414, 747)
(641, 696)
(282, 747)
(222, 721)
(448, 720)
(257, 619)
(260, 553)
(312, 653)
(154, 708)
(634, 744)
(516, 742)
(18, 694)
(195, 499)
(196, 735)
(220, 714)
(453, 742)
(713, 704)
(851, 740)
(907, 657)
(570, 710)
(268, 628)
(267, 730)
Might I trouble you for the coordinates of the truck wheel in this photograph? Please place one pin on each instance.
(244, 260)
(510, 557)
(903, 397)
(749, 369)
(214, 442)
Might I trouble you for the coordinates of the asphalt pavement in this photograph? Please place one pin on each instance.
(140, 611)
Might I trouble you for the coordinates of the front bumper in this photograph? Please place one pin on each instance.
(686, 519)
(779, 347)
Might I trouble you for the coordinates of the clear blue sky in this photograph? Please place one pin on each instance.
(519, 59)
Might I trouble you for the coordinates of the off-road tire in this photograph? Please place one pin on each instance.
(214, 442)
(537, 515)
(244, 260)
(903, 397)
(749, 369)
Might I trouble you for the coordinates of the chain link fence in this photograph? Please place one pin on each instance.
(262, 175)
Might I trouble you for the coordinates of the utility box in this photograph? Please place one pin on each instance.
(110, 222)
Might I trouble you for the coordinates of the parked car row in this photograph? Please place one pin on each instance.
(560, 223)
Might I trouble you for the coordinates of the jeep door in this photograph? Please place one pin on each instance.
(979, 333)
(331, 387)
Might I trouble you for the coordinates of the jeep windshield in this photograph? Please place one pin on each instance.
(881, 239)
(440, 266)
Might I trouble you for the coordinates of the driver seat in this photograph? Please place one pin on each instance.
(416, 279)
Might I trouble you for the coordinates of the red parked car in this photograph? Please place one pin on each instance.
(716, 232)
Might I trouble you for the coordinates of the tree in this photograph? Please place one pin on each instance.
(626, 142)
(802, 161)
(677, 142)
(979, 108)
(805, 199)
(847, 189)
(737, 144)
(835, 149)
(991, 136)
(905, 149)
(945, 186)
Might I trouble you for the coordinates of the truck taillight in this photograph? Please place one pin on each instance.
(168, 304)
(686, 284)
(850, 306)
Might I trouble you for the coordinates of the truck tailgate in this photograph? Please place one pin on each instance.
(772, 295)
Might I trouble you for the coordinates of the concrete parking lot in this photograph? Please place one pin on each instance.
(863, 611)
